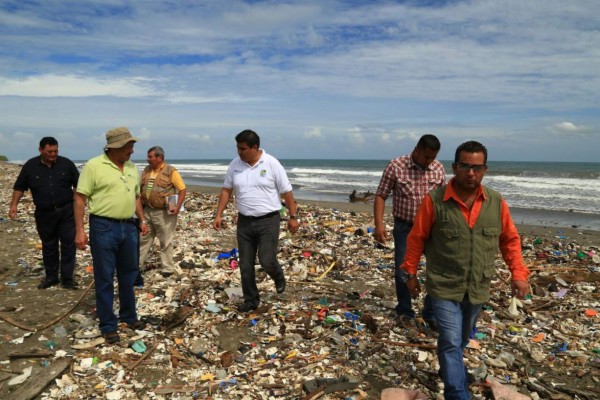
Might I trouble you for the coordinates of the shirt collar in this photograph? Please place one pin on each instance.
(451, 194)
(416, 166)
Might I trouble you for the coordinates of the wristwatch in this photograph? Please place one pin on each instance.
(405, 276)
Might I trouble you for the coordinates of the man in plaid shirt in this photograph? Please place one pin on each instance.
(410, 177)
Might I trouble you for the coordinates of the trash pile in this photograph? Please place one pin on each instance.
(331, 335)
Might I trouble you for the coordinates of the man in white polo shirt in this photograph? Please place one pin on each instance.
(259, 183)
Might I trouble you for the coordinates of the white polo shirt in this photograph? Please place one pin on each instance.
(257, 188)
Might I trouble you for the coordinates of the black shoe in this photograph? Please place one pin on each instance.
(111, 337)
(136, 326)
(46, 283)
(70, 285)
(280, 285)
(432, 324)
(246, 307)
(405, 321)
(139, 281)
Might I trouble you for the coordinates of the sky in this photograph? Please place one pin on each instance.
(315, 79)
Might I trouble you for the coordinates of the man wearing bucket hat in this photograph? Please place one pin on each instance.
(109, 184)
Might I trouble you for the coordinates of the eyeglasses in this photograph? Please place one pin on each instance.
(468, 167)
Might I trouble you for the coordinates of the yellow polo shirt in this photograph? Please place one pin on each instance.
(110, 192)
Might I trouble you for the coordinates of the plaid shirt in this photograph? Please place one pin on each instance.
(410, 183)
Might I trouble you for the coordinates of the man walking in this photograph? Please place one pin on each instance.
(459, 228)
(160, 181)
(410, 178)
(109, 184)
(52, 179)
(259, 182)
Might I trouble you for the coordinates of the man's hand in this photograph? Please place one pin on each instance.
(414, 288)
(81, 240)
(520, 288)
(144, 229)
(293, 225)
(12, 213)
(380, 234)
(217, 223)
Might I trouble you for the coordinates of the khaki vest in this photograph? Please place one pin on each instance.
(163, 187)
(461, 260)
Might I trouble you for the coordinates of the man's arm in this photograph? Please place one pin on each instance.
(16, 197)
(290, 203)
(224, 197)
(139, 212)
(180, 199)
(378, 210)
(510, 247)
(79, 201)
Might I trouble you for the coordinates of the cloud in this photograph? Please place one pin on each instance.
(569, 128)
(314, 133)
(75, 86)
(368, 74)
(24, 137)
(200, 138)
(355, 136)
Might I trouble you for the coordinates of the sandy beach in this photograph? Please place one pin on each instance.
(335, 321)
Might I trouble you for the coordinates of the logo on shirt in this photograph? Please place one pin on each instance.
(263, 173)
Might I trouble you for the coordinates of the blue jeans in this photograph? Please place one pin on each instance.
(258, 236)
(114, 249)
(404, 307)
(455, 324)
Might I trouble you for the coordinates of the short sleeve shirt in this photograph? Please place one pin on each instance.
(50, 186)
(257, 188)
(110, 192)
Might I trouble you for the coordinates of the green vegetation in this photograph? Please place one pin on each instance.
(3, 158)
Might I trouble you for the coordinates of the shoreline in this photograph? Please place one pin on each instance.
(524, 219)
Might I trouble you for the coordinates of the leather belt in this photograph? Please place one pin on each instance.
(56, 207)
(271, 214)
(115, 220)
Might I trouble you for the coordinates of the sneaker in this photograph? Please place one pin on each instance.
(136, 326)
(246, 307)
(111, 337)
(46, 283)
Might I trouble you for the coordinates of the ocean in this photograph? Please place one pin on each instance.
(538, 193)
(563, 194)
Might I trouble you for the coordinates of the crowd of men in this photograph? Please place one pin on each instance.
(458, 225)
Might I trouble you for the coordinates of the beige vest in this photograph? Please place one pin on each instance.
(163, 187)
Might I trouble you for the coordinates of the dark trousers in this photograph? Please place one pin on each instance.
(258, 236)
(404, 307)
(54, 226)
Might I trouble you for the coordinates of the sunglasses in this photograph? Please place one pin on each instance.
(467, 167)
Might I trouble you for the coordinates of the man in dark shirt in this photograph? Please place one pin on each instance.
(51, 179)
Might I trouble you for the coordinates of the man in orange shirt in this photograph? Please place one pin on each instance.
(459, 227)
